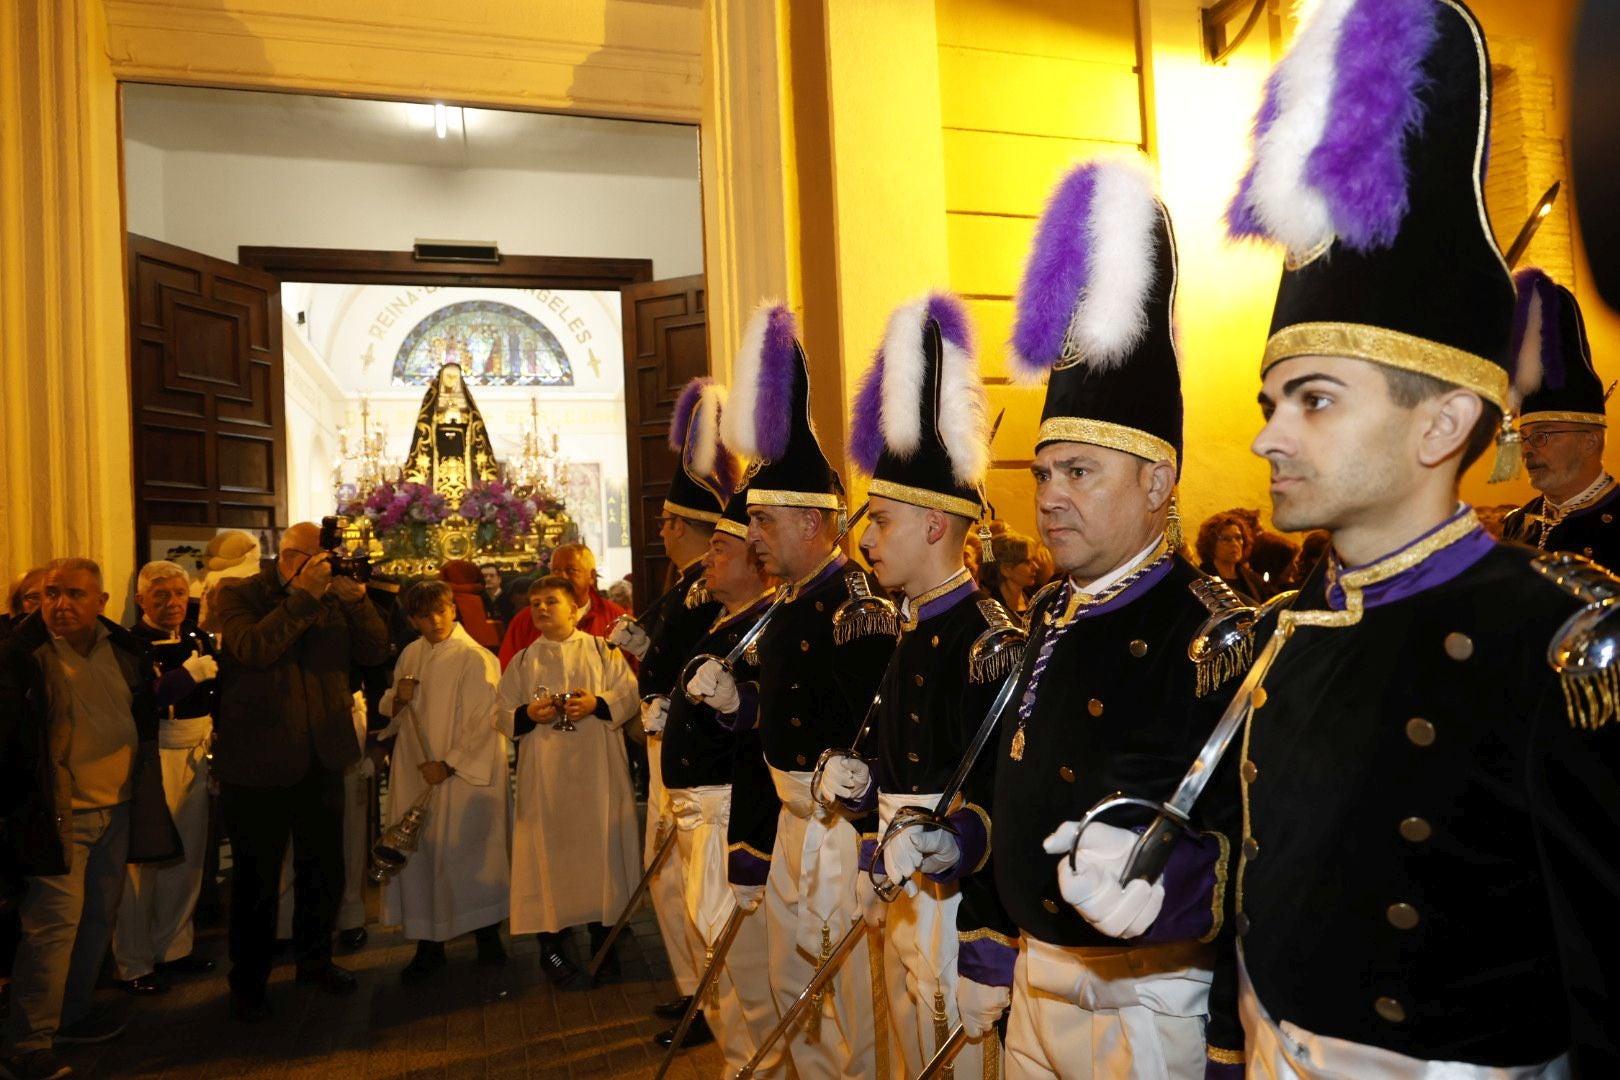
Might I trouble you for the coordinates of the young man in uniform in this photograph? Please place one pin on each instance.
(920, 433)
(1428, 863)
(818, 671)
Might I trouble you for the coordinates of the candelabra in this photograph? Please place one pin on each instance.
(362, 463)
(539, 470)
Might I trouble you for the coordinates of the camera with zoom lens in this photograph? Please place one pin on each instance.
(344, 562)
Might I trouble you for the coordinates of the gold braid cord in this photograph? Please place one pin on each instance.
(812, 1023)
(880, 1002)
(942, 1029)
(1591, 700)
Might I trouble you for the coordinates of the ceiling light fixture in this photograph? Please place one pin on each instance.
(441, 122)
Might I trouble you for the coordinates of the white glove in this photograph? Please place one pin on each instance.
(749, 897)
(980, 1006)
(631, 638)
(873, 909)
(1120, 911)
(201, 667)
(715, 685)
(845, 777)
(654, 711)
(933, 851)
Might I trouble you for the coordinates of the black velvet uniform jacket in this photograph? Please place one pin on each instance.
(1593, 531)
(1116, 710)
(812, 692)
(1432, 847)
(699, 750)
(673, 629)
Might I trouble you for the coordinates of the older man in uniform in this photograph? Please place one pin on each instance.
(1111, 979)
(816, 682)
(153, 935)
(663, 637)
(920, 433)
(1562, 423)
(1428, 864)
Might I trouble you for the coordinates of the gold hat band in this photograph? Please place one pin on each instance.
(927, 498)
(1130, 440)
(809, 500)
(1392, 348)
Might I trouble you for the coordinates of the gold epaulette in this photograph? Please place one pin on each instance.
(996, 651)
(864, 614)
(1585, 649)
(697, 595)
(1223, 648)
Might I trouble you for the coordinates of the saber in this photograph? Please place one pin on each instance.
(818, 982)
(627, 619)
(665, 846)
(1173, 818)
(945, 1054)
(711, 975)
(729, 661)
(1002, 633)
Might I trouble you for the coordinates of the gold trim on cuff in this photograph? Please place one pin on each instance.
(1102, 433)
(748, 848)
(1392, 348)
(1549, 416)
(987, 934)
(808, 500)
(687, 512)
(927, 498)
(1224, 1057)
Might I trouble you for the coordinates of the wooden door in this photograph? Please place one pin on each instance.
(206, 382)
(665, 346)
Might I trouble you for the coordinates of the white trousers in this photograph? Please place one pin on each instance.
(154, 914)
(356, 857)
(667, 889)
(739, 1009)
(1095, 1014)
(919, 966)
(1288, 1052)
(840, 1041)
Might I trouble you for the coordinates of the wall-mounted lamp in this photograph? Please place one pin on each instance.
(1544, 206)
(1219, 16)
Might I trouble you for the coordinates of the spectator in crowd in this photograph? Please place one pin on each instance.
(492, 587)
(576, 564)
(576, 852)
(443, 694)
(622, 593)
(153, 935)
(1223, 545)
(1312, 549)
(972, 553)
(467, 586)
(292, 635)
(24, 598)
(229, 555)
(1273, 561)
(80, 795)
(1013, 574)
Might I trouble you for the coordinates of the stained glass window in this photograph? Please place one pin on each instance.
(496, 344)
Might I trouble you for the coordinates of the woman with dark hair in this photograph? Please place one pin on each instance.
(1012, 575)
(1223, 545)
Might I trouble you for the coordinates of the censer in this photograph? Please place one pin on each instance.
(394, 848)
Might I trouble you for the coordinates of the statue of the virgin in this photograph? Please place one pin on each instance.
(450, 450)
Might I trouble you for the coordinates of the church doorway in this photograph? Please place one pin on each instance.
(527, 393)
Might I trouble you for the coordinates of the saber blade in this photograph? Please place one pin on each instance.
(665, 846)
(711, 975)
(817, 983)
(945, 1054)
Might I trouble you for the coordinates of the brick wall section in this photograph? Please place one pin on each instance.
(1527, 155)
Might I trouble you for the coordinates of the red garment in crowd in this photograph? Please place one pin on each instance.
(595, 620)
(466, 582)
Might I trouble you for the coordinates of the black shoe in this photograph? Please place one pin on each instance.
(99, 1026)
(673, 1009)
(34, 1065)
(186, 965)
(558, 968)
(249, 1010)
(424, 965)
(491, 953)
(142, 986)
(331, 978)
(353, 938)
(696, 1035)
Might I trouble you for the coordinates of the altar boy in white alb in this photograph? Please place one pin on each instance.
(440, 704)
(576, 852)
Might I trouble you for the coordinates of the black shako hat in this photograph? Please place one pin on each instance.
(1094, 313)
(919, 428)
(709, 470)
(1552, 360)
(767, 418)
(1368, 169)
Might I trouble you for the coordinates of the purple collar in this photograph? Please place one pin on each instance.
(1433, 559)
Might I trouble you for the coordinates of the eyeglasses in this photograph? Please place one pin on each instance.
(1539, 439)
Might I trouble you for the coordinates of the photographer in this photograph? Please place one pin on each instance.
(285, 735)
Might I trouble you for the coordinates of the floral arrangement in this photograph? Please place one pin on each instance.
(497, 513)
(401, 513)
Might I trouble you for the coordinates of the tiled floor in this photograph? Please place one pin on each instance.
(468, 1022)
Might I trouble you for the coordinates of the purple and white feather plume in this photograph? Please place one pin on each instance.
(1085, 288)
(758, 421)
